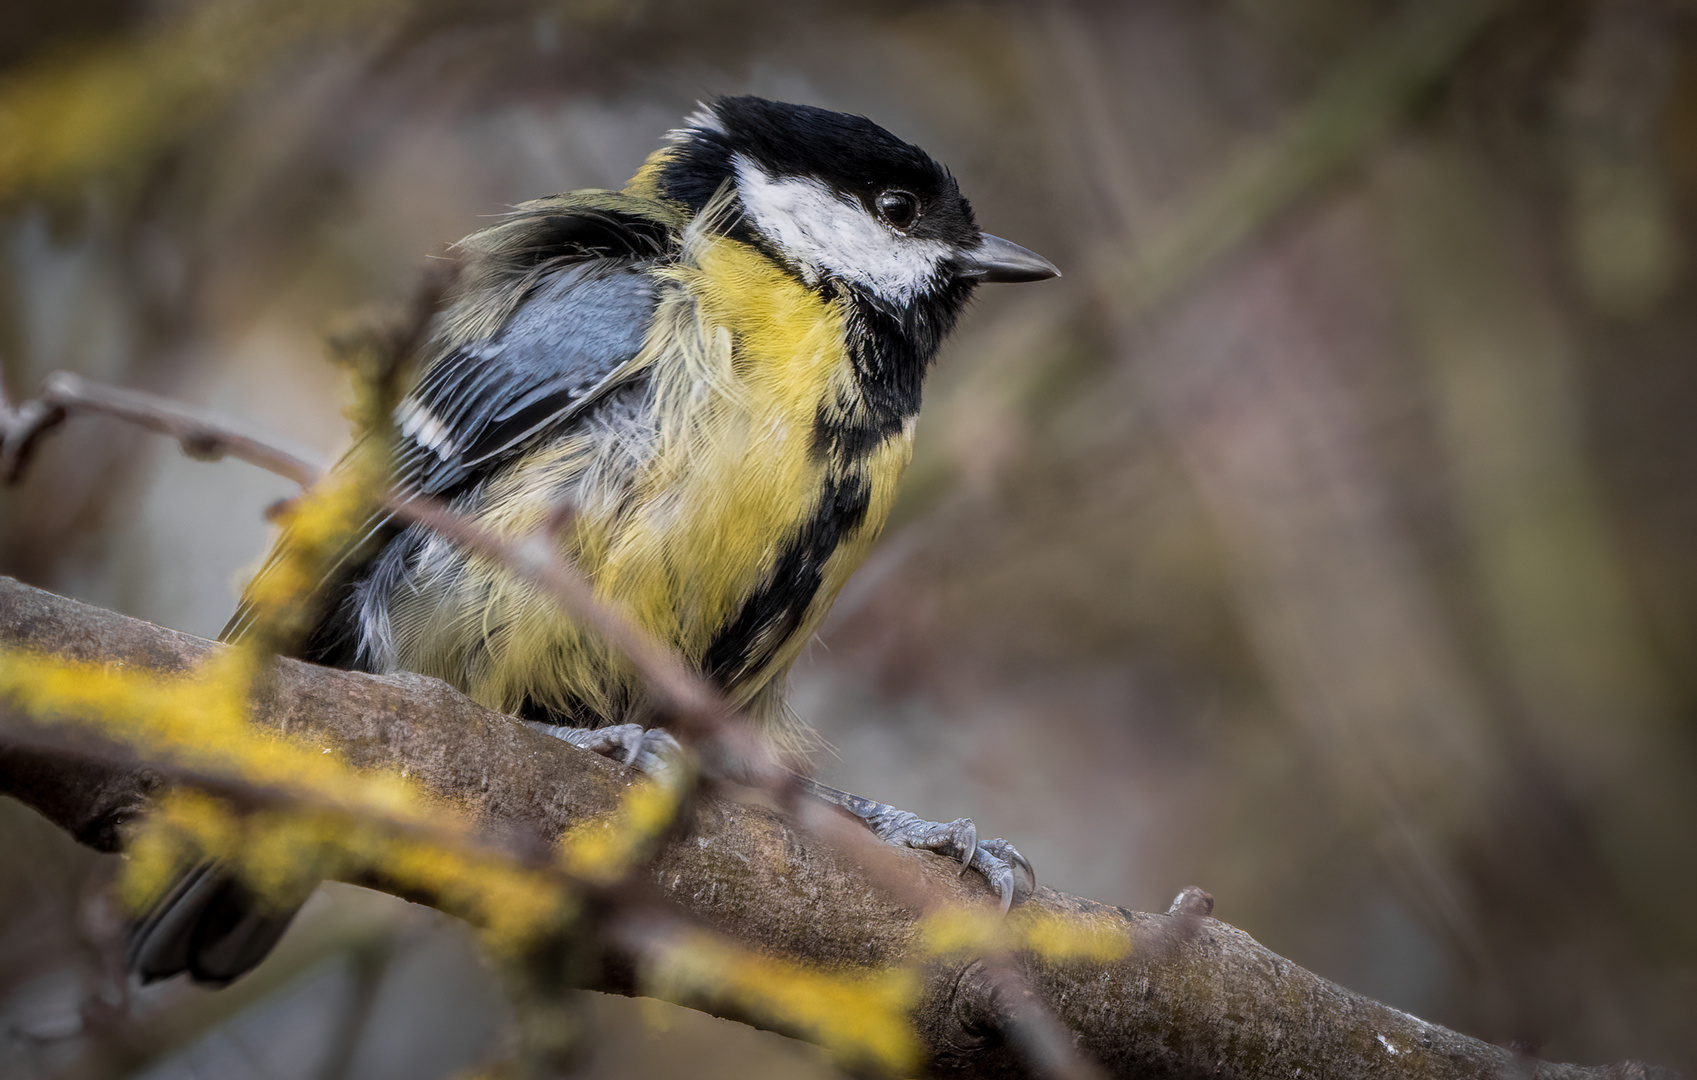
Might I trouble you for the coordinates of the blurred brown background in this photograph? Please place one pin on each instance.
(1323, 538)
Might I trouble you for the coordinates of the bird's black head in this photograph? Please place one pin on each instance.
(837, 199)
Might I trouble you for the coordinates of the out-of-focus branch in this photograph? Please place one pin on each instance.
(201, 435)
(1193, 996)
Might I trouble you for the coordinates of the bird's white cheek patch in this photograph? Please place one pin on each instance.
(828, 233)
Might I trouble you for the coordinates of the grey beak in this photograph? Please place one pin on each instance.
(995, 259)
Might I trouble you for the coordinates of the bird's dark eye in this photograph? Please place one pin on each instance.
(898, 208)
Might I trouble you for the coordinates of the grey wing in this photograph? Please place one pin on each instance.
(572, 339)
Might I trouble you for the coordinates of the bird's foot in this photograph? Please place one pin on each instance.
(650, 751)
(1010, 875)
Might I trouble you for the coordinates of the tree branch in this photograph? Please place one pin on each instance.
(1193, 997)
(200, 434)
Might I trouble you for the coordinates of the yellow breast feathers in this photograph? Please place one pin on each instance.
(708, 510)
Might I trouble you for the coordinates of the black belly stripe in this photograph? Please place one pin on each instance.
(844, 431)
(890, 351)
(775, 610)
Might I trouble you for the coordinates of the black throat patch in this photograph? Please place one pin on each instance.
(891, 351)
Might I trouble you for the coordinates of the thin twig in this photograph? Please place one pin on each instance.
(201, 435)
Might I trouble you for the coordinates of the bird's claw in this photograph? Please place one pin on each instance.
(1009, 873)
(650, 751)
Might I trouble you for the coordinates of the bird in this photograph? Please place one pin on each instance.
(718, 370)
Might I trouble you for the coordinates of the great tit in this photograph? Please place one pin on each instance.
(718, 370)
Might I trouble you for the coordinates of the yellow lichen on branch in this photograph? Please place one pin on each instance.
(281, 854)
(860, 1018)
(317, 816)
(198, 724)
(605, 850)
(966, 932)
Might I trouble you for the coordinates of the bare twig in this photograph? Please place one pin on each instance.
(200, 434)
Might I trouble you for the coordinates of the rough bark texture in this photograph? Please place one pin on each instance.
(1194, 997)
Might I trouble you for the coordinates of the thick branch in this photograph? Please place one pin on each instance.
(1194, 997)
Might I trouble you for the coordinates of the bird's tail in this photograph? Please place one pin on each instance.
(209, 925)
